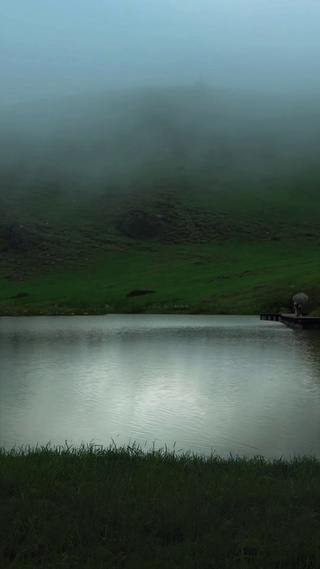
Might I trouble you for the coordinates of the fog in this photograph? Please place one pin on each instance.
(51, 48)
(101, 90)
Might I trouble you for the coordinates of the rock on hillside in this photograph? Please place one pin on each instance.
(13, 238)
(139, 224)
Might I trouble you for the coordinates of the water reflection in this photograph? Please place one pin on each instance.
(230, 384)
(309, 343)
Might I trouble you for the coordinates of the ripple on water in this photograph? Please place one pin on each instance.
(230, 384)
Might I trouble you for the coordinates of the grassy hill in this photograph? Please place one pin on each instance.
(209, 199)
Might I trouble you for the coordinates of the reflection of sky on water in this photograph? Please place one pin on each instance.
(230, 384)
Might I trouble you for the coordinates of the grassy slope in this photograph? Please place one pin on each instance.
(239, 240)
(241, 269)
(113, 508)
(236, 278)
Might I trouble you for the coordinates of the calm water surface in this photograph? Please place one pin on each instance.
(207, 383)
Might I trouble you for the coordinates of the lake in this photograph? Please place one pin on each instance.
(222, 384)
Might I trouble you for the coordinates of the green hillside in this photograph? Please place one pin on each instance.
(209, 199)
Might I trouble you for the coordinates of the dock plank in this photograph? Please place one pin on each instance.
(304, 322)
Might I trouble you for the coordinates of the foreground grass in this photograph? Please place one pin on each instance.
(233, 278)
(108, 508)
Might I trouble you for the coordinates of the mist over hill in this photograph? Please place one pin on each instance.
(115, 187)
(148, 135)
(167, 146)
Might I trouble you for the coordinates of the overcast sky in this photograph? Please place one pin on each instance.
(57, 47)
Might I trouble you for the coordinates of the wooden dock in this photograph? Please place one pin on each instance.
(302, 322)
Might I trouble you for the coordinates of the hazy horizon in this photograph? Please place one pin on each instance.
(235, 90)
(54, 49)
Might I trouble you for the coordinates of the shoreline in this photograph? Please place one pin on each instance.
(135, 450)
(35, 313)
